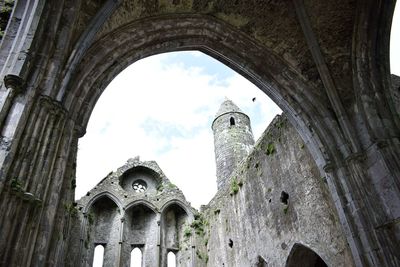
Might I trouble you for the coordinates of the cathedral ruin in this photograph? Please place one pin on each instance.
(139, 207)
(321, 186)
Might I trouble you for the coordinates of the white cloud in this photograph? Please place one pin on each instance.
(163, 112)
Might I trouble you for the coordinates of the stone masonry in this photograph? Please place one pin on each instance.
(272, 205)
(134, 207)
(324, 63)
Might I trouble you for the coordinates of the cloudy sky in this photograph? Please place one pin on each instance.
(161, 108)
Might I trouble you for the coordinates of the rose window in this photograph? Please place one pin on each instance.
(139, 186)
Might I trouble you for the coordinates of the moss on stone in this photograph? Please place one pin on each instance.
(270, 149)
(90, 217)
(234, 187)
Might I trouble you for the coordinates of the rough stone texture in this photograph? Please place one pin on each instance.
(233, 140)
(114, 215)
(273, 208)
(250, 210)
(325, 63)
(396, 93)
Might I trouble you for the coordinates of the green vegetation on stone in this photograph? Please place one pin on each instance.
(285, 209)
(234, 187)
(270, 149)
(199, 224)
(16, 186)
(187, 232)
(90, 217)
(71, 209)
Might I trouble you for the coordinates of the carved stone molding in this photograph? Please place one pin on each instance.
(328, 167)
(54, 106)
(14, 82)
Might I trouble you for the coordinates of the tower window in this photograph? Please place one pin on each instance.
(232, 121)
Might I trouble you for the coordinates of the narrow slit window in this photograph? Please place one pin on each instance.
(171, 259)
(136, 258)
(232, 121)
(98, 256)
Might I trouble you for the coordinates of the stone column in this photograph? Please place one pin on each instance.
(35, 177)
(121, 240)
(159, 246)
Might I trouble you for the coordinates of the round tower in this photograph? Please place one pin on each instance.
(233, 139)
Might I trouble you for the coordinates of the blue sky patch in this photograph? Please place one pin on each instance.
(207, 64)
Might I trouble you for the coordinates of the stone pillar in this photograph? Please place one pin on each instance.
(121, 241)
(159, 246)
(67, 212)
(34, 184)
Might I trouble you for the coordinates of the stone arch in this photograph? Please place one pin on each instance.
(363, 179)
(95, 198)
(105, 60)
(301, 255)
(140, 230)
(143, 202)
(102, 228)
(179, 203)
(175, 225)
(330, 141)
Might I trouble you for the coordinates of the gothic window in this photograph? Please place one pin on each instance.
(98, 256)
(171, 259)
(232, 121)
(136, 258)
(139, 186)
(303, 256)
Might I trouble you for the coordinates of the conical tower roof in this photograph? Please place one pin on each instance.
(226, 107)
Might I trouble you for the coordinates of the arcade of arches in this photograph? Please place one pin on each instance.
(324, 63)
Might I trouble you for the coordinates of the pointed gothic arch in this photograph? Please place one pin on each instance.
(102, 224)
(140, 229)
(302, 256)
(47, 57)
(175, 222)
(99, 196)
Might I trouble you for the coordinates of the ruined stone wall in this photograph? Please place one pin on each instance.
(118, 217)
(248, 222)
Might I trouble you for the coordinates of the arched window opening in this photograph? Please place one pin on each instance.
(171, 259)
(232, 121)
(98, 256)
(194, 70)
(136, 258)
(303, 256)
